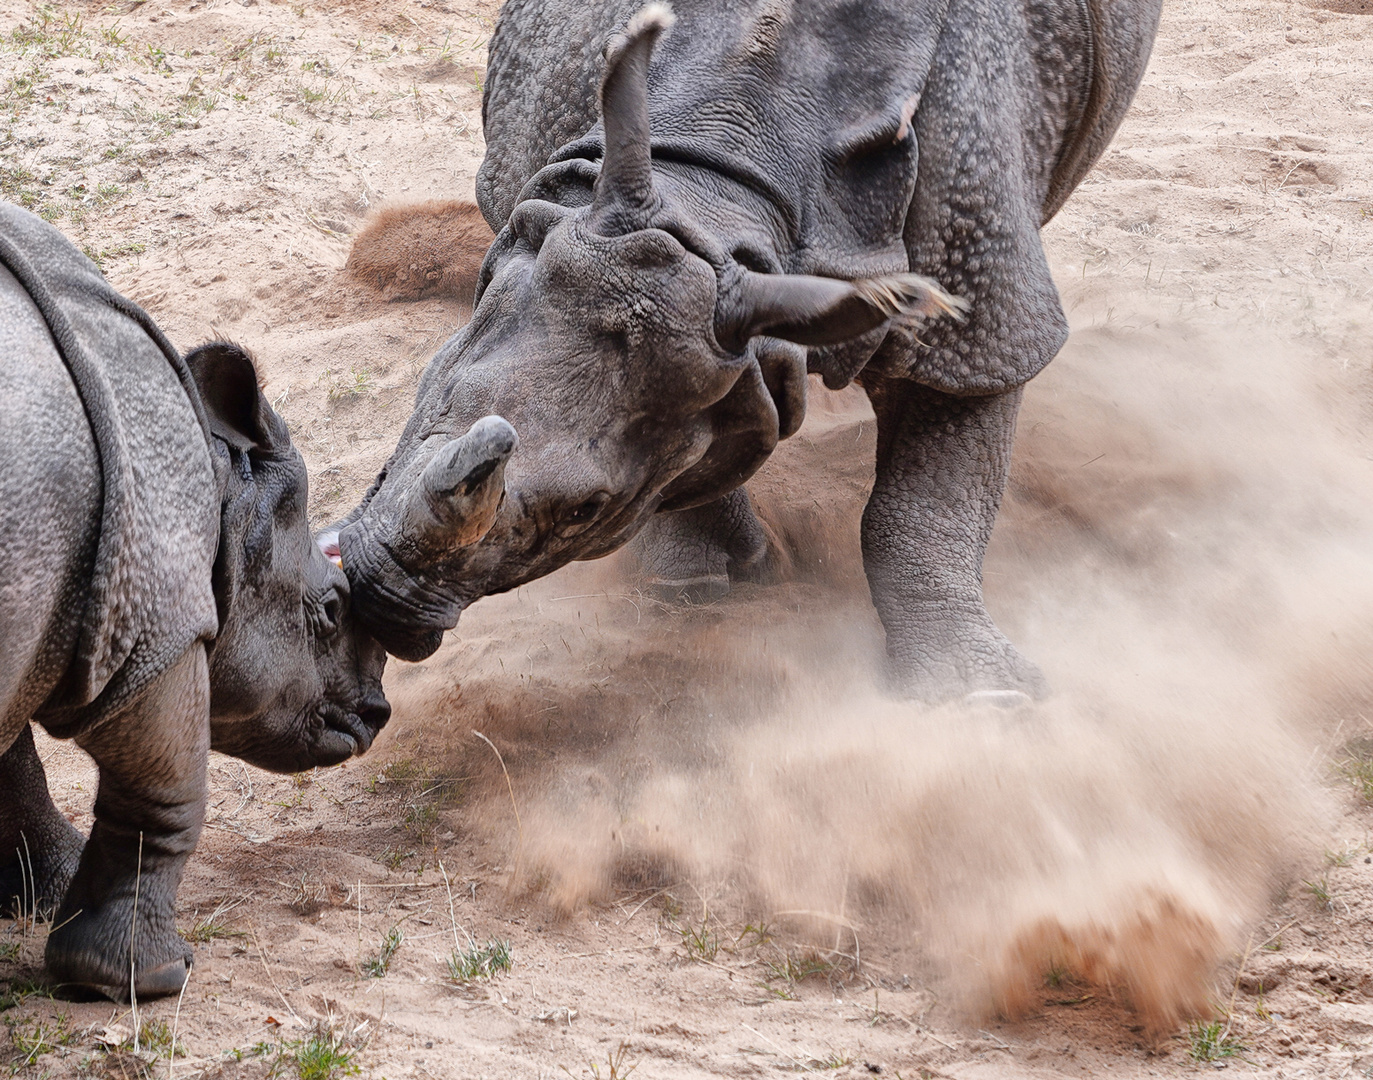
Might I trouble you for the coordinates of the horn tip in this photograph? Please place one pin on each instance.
(651, 17)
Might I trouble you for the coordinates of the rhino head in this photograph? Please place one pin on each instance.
(295, 681)
(644, 365)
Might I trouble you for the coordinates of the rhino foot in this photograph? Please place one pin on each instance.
(39, 848)
(92, 952)
(951, 653)
(703, 589)
(692, 556)
(160, 982)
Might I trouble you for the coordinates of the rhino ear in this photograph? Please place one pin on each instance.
(623, 198)
(826, 311)
(226, 377)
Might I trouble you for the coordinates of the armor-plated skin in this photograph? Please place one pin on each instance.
(759, 146)
(160, 594)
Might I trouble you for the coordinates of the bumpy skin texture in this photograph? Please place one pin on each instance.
(835, 138)
(214, 619)
(942, 462)
(121, 903)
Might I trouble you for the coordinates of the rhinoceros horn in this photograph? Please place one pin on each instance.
(455, 499)
(623, 199)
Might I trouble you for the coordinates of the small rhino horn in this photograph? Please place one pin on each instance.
(455, 500)
(623, 199)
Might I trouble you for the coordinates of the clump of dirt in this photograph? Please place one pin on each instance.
(422, 250)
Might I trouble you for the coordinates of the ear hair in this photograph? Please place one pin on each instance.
(826, 311)
(226, 377)
(658, 17)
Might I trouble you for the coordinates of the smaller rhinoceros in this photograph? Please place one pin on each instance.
(160, 594)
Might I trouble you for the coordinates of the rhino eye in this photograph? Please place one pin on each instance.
(577, 517)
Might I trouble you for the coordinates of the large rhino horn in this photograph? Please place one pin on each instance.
(623, 199)
(454, 501)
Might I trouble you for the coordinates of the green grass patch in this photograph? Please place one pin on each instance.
(1212, 1041)
(376, 966)
(35, 1037)
(50, 33)
(213, 927)
(424, 793)
(793, 969)
(1359, 772)
(156, 1035)
(480, 961)
(700, 942)
(353, 383)
(1319, 888)
(323, 1055)
(19, 991)
(100, 256)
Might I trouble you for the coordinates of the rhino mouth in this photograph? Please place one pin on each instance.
(343, 733)
(404, 617)
(347, 725)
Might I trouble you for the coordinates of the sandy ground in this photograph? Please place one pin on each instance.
(718, 850)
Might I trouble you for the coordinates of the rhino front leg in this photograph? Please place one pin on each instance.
(117, 924)
(941, 469)
(693, 555)
(39, 848)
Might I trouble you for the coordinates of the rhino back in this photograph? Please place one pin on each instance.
(806, 101)
(783, 83)
(145, 590)
(49, 510)
(543, 69)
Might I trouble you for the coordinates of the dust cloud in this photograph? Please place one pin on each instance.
(1183, 548)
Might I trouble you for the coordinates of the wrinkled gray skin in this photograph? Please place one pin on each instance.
(287, 683)
(648, 311)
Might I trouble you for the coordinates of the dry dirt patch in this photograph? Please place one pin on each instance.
(1184, 546)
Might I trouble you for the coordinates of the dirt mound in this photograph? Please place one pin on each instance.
(421, 250)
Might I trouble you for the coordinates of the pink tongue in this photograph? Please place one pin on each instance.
(329, 545)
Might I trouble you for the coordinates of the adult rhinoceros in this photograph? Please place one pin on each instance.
(160, 595)
(776, 189)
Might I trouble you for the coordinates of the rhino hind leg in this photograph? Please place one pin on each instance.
(39, 848)
(941, 469)
(116, 927)
(692, 556)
